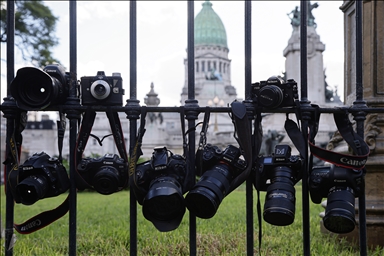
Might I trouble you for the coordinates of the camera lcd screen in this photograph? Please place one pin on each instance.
(268, 160)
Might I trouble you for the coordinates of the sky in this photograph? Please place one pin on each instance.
(103, 41)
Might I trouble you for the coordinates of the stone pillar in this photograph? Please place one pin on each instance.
(373, 83)
(315, 48)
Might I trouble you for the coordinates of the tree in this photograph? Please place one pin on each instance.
(34, 31)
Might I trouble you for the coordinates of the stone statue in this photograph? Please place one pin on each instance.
(294, 15)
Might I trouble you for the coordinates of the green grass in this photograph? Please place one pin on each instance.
(103, 229)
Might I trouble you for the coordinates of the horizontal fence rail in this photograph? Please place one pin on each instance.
(73, 110)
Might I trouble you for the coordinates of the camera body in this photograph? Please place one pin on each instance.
(275, 93)
(212, 155)
(159, 188)
(282, 157)
(161, 165)
(102, 89)
(219, 169)
(277, 174)
(340, 186)
(106, 174)
(324, 179)
(40, 176)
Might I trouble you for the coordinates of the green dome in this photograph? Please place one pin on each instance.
(209, 29)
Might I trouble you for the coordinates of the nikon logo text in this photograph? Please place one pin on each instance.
(345, 160)
(105, 162)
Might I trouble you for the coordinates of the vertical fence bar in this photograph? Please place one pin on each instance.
(73, 116)
(191, 116)
(360, 118)
(306, 116)
(247, 89)
(9, 211)
(132, 115)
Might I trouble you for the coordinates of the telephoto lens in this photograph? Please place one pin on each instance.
(277, 174)
(279, 207)
(221, 167)
(340, 210)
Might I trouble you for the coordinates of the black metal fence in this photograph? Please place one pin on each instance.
(73, 110)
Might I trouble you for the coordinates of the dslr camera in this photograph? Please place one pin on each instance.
(102, 90)
(277, 174)
(219, 168)
(34, 89)
(40, 176)
(158, 186)
(275, 93)
(107, 174)
(340, 186)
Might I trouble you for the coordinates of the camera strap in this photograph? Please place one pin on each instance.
(135, 154)
(14, 149)
(243, 135)
(257, 140)
(189, 177)
(202, 142)
(356, 143)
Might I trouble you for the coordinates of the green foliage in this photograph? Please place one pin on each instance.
(103, 229)
(34, 31)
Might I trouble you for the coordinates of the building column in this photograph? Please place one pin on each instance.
(373, 77)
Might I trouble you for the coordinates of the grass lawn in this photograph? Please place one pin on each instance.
(103, 229)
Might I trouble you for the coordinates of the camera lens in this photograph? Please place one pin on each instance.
(204, 199)
(340, 211)
(100, 89)
(279, 207)
(32, 188)
(34, 89)
(270, 96)
(164, 204)
(106, 180)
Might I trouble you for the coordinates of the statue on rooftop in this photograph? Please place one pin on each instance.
(294, 15)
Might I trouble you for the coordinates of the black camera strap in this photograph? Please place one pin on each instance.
(243, 135)
(85, 131)
(356, 142)
(136, 153)
(117, 133)
(202, 142)
(189, 177)
(257, 140)
(14, 149)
